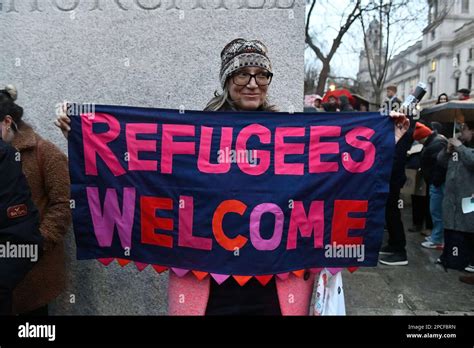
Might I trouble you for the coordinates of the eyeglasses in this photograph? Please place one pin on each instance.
(243, 78)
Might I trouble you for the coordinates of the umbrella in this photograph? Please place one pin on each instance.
(459, 111)
(337, 93)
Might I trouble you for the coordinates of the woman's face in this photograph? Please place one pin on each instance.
(466, 133)
(251, 96)
(317, 103)
(443, 99)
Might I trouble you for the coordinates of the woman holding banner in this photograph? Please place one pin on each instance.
(245, 76)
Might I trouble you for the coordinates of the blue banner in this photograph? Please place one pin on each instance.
(235, 193)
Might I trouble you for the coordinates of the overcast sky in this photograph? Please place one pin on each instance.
(327, 18)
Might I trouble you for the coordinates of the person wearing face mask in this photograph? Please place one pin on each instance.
(245, 77)
(19, 220)
(46, 171)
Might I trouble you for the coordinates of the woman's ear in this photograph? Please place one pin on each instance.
(8, 121)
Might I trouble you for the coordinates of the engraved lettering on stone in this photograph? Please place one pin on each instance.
(281, 4)
(198, 4)
(97, 6)
(252, 4)
(66, 9)
(173, 6)
(35, 6)
(148, 7)
(12, 8)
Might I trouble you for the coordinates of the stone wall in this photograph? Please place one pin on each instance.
(155, 53)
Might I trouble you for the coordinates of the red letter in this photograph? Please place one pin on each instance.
(150, 222)
(96, 143)
(134, 146)
(365, 145)
(169, 147)
(265, 137)
(317, 148)
(314, 222)
(282, 149)
(342, 223)
(186, 238)
(229, 206)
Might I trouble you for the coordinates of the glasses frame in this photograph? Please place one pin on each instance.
(253, 76)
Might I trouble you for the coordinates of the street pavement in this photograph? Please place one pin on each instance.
(420, 288)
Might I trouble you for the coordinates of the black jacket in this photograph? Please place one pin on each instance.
(398, 177)
(19, 218)
(432, 172)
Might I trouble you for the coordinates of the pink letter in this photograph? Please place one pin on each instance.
(317, 148)
(186, 238)
(134, 146)
(265, 137)
(306, 224)
(282, 149)
(105, 221)
(258, 242)
(204, 164)
(96, 143)
(169, 147)
(366, 146)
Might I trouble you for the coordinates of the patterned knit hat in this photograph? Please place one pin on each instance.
(241, 53)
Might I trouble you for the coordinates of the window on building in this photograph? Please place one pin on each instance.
(433, 65)
(471, 53)
(433, 10)
(458, 59)
(469, 81)
(431, 89)
(465, 6)
(433, 34)
(456, 84)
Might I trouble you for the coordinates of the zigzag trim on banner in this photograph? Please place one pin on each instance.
(221, 278)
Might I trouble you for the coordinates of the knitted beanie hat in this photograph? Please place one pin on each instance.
(421, 131)
(241, 53)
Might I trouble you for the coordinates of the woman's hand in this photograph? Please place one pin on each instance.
(63, 121)
(402, 123)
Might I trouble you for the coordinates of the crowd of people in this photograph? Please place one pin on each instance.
(444, 158)
(246, 74)
(335, 103)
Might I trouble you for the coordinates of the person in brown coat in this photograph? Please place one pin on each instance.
(46, 170)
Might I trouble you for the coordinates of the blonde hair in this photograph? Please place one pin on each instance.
(223, 102)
